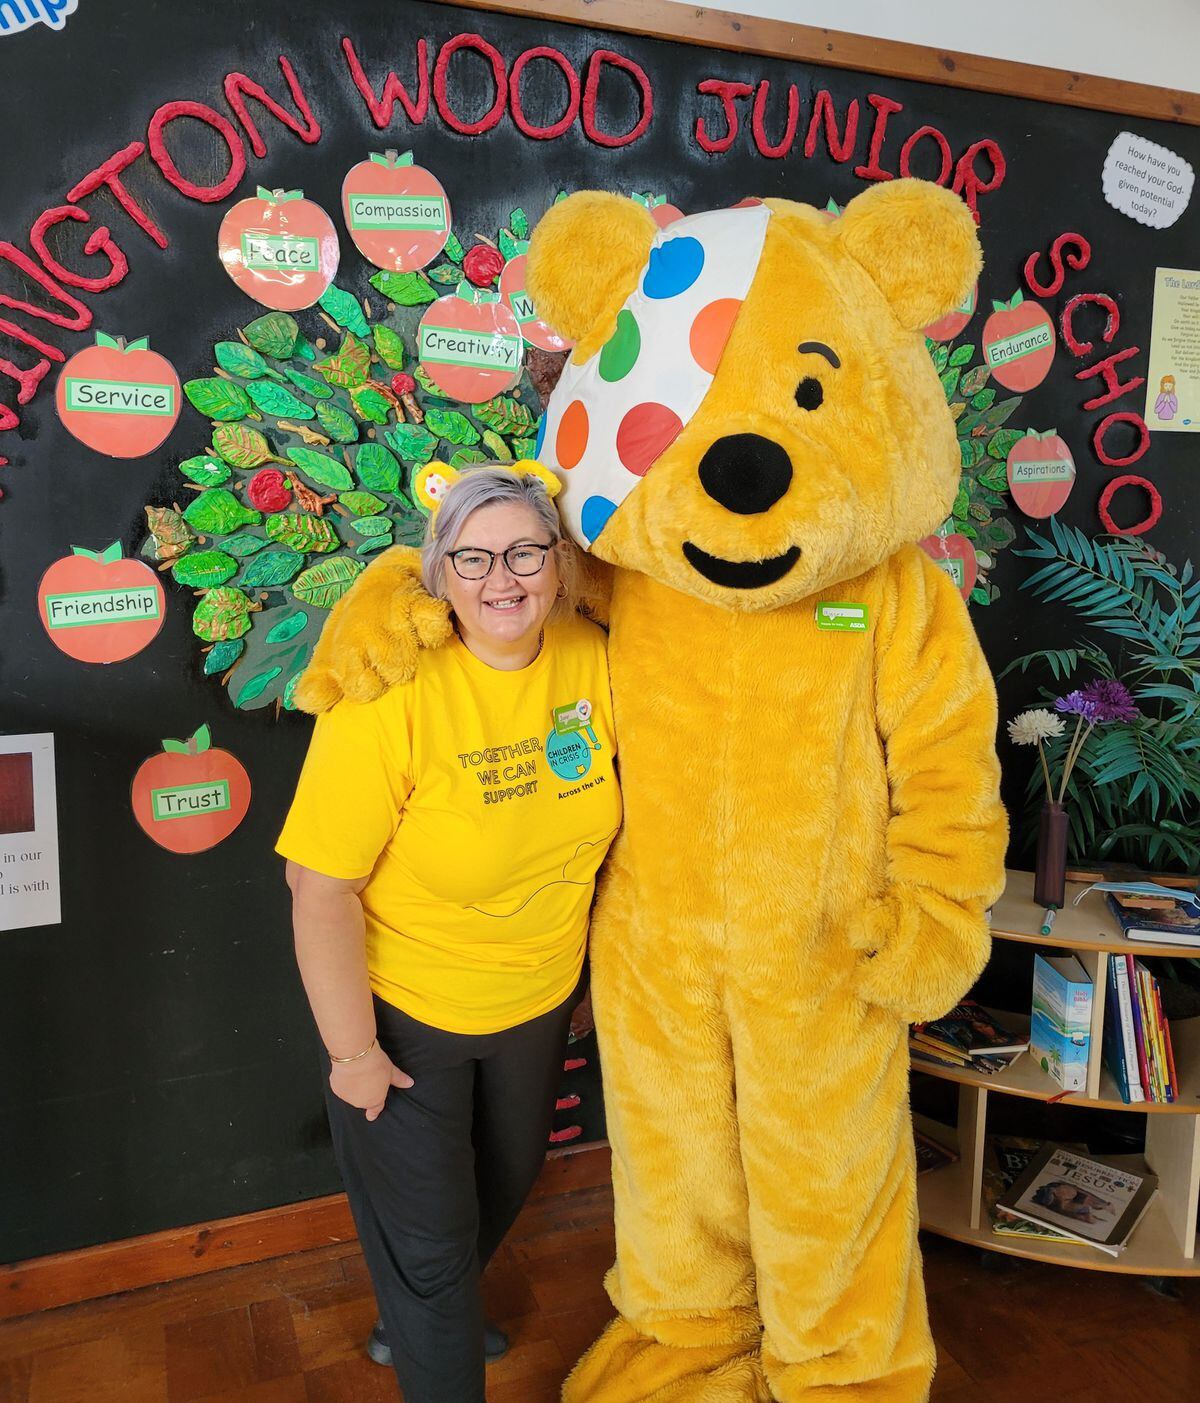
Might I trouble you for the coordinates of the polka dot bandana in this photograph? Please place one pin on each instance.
(611, 418)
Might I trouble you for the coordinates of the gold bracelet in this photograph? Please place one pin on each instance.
(358, 1056)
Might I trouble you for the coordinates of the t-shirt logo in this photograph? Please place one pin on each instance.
(570, 744)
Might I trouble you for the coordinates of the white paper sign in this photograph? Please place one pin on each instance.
(29, 879)
(1148, 182)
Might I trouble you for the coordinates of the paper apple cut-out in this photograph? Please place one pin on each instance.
(661, 210)
(1018, 343)
(955, 554)
(1041, 472)
(397, 213)
(190, 796)
(947, 328)
(470, 345)
(512, 289)
(118, 397)
(99, 607)
(281, 249)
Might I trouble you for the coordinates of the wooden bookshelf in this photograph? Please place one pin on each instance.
(951, 1199)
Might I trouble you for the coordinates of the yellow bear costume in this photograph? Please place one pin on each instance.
(812, 822)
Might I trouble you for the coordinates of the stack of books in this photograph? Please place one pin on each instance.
(1060, 1033)
(1085, 1200)
(1137, 1036)
(1149, 912)
(1005, 1159)
(968, 1036)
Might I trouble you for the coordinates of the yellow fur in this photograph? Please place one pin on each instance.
(812, 823)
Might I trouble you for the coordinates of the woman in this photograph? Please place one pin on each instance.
(442, 851)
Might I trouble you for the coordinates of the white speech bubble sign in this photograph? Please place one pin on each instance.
(1146, 181)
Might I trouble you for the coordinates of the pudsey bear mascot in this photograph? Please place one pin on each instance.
(751, 431)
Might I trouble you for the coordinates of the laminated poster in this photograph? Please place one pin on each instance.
(29, 876)
(1173, 380)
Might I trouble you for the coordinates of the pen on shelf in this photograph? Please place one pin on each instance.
(1048, 919)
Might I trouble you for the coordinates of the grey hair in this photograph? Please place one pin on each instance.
(486, 485)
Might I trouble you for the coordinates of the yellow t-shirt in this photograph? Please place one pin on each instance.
(480, 803)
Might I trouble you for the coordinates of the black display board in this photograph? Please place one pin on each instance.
(158, 1064)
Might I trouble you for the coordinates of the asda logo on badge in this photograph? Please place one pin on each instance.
(16, 15)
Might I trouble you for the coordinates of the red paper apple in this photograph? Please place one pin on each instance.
(469, 344)
(955, 554)
(1041, 473)
(512, 289)
(190, 797)
(661, 211)
(398, 214)
(947, 328)
(118, 397)
(1018, 343)
(98, 607)
(280, 249)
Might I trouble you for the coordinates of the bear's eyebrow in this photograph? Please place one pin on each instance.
(821, 349)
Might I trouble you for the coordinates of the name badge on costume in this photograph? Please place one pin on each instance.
(843, 618)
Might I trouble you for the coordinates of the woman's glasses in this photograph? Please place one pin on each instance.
(477, 564)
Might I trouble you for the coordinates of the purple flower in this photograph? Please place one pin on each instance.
(1100, 701)
(1111, 700)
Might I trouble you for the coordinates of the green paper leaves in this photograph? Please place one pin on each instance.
(321, 469)
(323, 584)
(219, 399)
(405, 289)
(389, 347)
(340, 427)
(242, 447)
(272, 398)
(371, 403)
(240, 359)
(222, 613)
(300, 531)
(349, 365)
(449, 424)
(271, 567)
(454, 250)
(222, 656)
(287, 628)
(362, 503)
(375, 468)
(345, 309)
(317, 388)
(506, 415)
(273, 335)
(518, 222)
(205, 469)
(256, 686)
(372, 526)
(242, 545)
(413, 442)
(217, 512)
(204, 569)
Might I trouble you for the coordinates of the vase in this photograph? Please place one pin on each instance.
(1050, 873)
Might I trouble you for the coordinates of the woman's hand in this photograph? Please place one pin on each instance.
(582, 1022)
(366, 1084)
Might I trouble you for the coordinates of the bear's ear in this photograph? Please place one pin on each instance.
(584, 259)
(918, 243)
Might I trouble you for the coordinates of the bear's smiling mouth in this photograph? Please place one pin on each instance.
(740, 574)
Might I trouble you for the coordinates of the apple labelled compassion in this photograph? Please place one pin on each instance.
(533, 80)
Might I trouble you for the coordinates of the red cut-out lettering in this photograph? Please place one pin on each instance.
(109, 173)
(966, 179)
(1077, 258)
(884, 108)
(1113, 388)
(1149, 521)
(18, 333)
(591, 89)
(83, 316)
(208, 194)
(567, 69)
(306, 126)
(29, 380)
(382, 107)
(1102, 428)
(727, 92)
(477, 44)
(824, 113)
(943, 147)
(99, 240)
(758, 124)
(1101, 299)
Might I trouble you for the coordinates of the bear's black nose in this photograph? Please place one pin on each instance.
(745, 473)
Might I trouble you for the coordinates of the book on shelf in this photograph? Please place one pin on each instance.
(1086, 1200)
(931, 1153)
(1163, 920)
(1060, 1031)
(969, 1030)
(923, 1052)
(1005, 1159)
(1120, 1034)
(1137, 1035)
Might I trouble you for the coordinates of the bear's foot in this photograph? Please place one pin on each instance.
(624, 1366)
(799, 1383)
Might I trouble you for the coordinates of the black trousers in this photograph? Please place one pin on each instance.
(437, 1180)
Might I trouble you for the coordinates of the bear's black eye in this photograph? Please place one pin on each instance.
(809, 393)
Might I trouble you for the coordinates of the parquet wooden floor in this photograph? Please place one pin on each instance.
(291, 1330)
